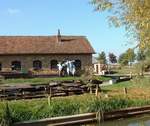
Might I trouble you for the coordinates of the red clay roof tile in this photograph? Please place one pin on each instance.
(44, 45)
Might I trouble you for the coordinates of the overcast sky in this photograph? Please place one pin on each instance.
(72, 17)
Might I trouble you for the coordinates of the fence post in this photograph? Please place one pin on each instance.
(130, 74)
(90, 89)
(125, 91)
(96, 90)
(50, 95)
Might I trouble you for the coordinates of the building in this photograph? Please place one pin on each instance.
(22, 53)
(99, 69)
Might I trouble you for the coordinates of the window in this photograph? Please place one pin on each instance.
(37, 65)
(0, 66)
(16, 65)
(78, 64)
(54, 64)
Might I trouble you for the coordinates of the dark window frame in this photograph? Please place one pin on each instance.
(78, 64)
(16, 65)
(0, 66)
(37, 64)
(53, 64)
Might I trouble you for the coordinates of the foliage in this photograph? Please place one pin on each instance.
(112, 58)
(139, 68)
(1, 79)
(38, 109)
(6, 118)
(87, 74)
(143, 58)
(22, 110)
(130, 55)
(123, 59)
(142, 82)
(127, 57)
(102, 58)
(140, 55)
(133, 14)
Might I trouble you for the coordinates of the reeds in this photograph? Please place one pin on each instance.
(37, 109)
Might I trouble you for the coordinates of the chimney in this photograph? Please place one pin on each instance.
(58, 36)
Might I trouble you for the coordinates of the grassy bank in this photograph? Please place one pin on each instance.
(138, 95)
(38, 109)
(136, 88)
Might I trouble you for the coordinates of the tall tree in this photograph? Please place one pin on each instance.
(127, 57)
(133, 14)
(102, 58)
(123, 59)
(112, 58)
(140, 55)
(130, 55)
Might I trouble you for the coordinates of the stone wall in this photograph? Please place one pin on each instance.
(27, 60)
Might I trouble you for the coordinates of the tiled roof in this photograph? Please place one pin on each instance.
(44, 45)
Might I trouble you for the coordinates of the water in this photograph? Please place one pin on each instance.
(138, 121)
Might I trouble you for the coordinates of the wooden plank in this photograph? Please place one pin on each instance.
(88, 117)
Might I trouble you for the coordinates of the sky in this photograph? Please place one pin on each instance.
(72, 17)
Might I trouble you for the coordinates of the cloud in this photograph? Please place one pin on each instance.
(13, 11)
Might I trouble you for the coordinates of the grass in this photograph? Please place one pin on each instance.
(102, 78)
(138, 94)
(139, 86)
(37, 80)
(141, 82)
(37, 109)
(136, 88)
(45, 80)
(123, 70)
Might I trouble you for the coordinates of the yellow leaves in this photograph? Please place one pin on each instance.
(134, 14)
(101, 5)
(115, 21)
(108, 5)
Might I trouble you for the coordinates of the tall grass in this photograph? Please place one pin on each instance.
(38, 109)
(6, 118)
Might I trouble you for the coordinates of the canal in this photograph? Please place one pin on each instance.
(138, 121)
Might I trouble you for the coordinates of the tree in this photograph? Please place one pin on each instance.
(123, 59)
(143, 58)
(127, 57)
(130, 55)
(112, 58)
(102, 58)
(140, 55)
(133, 14)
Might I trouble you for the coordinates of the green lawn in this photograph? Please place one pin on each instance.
(119, 85)
(143, 82)
(124, 70)
(137, 88)
(37, 80)
(102, 78)
(45, 80)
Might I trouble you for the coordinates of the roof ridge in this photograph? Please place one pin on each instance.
(41, 35)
